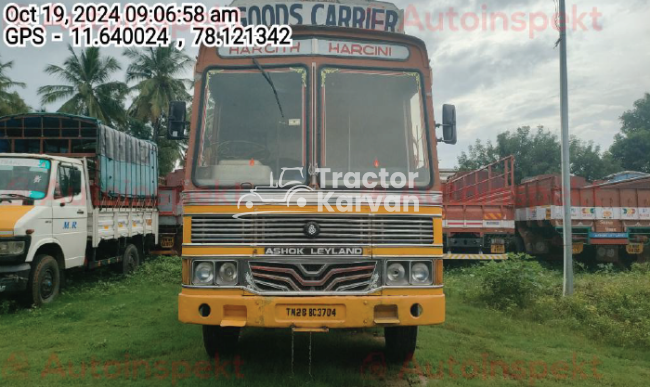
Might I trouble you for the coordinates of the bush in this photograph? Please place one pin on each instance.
(609, 304)
(614, 306)
(516, 282)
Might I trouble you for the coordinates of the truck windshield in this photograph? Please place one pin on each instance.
(372, 122)
(24, 177)
(244, 137)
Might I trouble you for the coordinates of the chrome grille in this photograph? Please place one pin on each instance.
(269, 229)
(308, 276)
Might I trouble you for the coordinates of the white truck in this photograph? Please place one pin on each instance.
(93, 209)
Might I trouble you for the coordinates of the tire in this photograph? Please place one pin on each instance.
(400, 342)
(220, 340)
(130, 260)
(44, 281)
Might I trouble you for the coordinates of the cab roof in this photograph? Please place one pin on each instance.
(41, 156)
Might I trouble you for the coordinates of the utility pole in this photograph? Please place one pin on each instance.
(566, 171)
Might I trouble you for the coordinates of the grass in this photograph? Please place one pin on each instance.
(123, 324)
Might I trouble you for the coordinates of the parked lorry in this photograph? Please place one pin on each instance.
(349, 97)
(73, 194)
(608, 218)
(478, 213)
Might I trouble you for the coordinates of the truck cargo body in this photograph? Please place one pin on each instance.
(479, 212)
(123, 169)
(605, 217)
(92, 208)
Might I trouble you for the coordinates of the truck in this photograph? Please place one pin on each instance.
(610, 219)
(345, 106)
(479, 213)
(74, 194)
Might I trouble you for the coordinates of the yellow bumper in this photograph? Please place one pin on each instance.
(235, 308)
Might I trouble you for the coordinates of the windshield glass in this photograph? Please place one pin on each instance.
(24, 177)
(244, 137)
(372, 123)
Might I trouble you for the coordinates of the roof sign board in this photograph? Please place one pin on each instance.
(367, 15)
(319, 46)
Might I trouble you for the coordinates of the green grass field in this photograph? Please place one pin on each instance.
(108, 330)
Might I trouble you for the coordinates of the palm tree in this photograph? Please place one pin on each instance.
(10, 102)
(88, 90)
(157, 73)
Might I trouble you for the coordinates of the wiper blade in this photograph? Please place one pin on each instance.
(270, 81)
(9, 196)
(13, 195)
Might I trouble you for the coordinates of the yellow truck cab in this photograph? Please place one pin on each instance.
(312, 196)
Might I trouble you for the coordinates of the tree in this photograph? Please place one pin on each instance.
(157, 73)
(632, 146)
(537, 153)
(13, 104)
(89, 90)
(10, 102)
(588, 161)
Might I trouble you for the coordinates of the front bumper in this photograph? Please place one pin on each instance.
(14, 278)
(239, 309)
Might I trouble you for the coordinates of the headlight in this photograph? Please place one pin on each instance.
(12, 247)
(203, 273)
(420, 274)
(396, 274)
(227, 274)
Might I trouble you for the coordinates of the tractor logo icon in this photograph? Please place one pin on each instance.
(295, 193)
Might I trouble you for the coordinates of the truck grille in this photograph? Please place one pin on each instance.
(334, 229)
(308, 276)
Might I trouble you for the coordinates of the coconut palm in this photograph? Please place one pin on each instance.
(10, 102)
(157, 73)
(88, 88)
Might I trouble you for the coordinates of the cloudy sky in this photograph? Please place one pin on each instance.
(499, 78)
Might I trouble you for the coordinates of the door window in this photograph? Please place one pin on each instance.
(68, 182)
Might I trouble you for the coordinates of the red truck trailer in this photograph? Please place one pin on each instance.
(478, 212)
(608, 217)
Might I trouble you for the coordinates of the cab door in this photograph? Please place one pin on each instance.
(70, 218)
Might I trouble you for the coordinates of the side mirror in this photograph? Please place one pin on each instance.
(449, 124)
(176, 120)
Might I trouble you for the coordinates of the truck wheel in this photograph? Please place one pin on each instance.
(44, 281)
(220, 340)
(130, 259)
(400, 342)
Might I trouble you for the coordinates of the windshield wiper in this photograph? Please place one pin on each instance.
(12, 195)
(270, 81)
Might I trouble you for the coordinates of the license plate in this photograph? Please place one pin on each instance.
(309, 312)
(634, 248)
(498, 249)
(167, 242)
